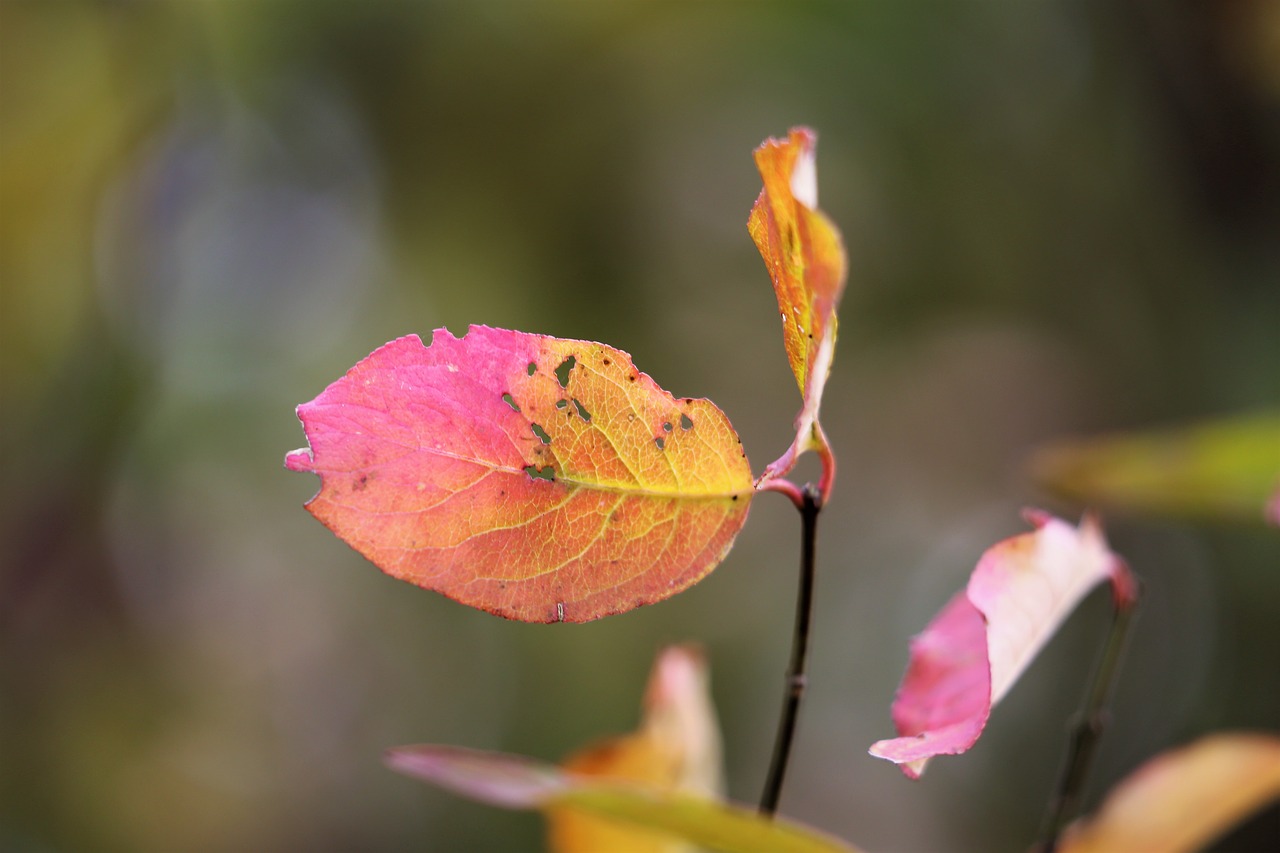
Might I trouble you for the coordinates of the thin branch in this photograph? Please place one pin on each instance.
(1082, 739)
(810, 505)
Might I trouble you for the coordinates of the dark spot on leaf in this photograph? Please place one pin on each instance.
(686, 422)
(541, 433)
(510, 401)
(560, 404)
(606, 361)
(532, 368)
(666, 427)
(735, 497)
(562, 372)
(361, 483)
(582, 410)
(688, 400)
(658, 441)
(631, 378)
(545, 473)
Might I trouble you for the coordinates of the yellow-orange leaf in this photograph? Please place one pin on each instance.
(1183, 799)
(536, 478)
(806, 260)
(676, 748)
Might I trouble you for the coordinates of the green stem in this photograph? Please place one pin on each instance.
(1082, 739)
(810, 505)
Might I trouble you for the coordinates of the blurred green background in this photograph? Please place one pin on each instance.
(1061, 218)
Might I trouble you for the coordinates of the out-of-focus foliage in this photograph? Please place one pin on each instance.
(1061, 220)
(1225, 469)
(973, 652)
(1184, 798)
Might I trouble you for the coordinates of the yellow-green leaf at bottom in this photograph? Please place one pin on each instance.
(516, 782)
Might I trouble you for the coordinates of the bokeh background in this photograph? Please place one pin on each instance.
(1061, 217)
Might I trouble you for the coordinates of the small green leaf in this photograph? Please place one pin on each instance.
(1225, 470)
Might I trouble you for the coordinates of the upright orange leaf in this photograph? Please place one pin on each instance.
(536, 478)
(806, 260)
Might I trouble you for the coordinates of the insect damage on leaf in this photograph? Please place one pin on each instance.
(480, 478)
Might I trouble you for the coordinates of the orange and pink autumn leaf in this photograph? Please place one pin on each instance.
(974, 650)
(549, 480)
(536, 478)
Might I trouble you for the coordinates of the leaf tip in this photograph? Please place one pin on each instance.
(300, 460)
(508, 781)
(891, 750)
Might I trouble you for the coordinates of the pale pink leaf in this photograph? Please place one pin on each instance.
(974, 650)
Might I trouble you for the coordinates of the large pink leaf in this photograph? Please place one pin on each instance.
(536, 478)
(973, 651)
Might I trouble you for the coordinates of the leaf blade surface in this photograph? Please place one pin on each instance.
(974, 650)
(536, 478)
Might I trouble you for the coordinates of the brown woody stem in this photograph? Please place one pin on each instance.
(1086, 730)
(810, 505)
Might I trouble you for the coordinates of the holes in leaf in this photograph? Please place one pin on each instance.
(582, 410)
(510, 401)
(544, 473)
(541, 433)
(686, 422)
(560, 404)
(532, 368)
(666, 427)
(562, 372)
(660, 442)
